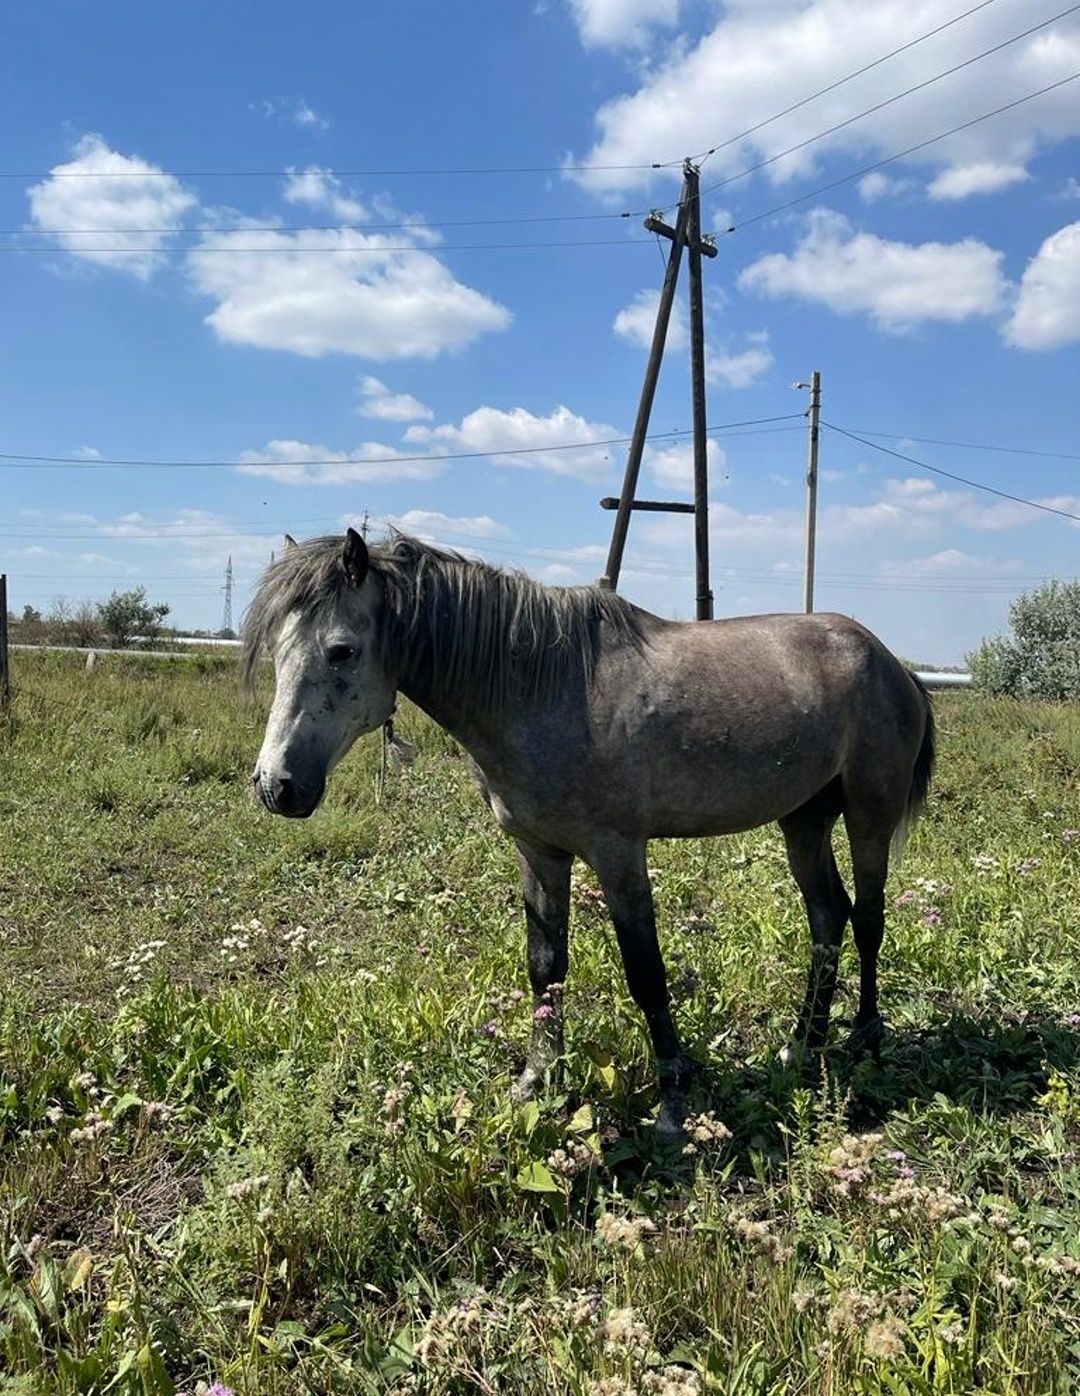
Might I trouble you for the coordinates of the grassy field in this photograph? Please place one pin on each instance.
(255, 1131)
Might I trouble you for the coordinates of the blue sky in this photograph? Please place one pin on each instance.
(258, 236)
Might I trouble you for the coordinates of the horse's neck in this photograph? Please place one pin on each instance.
(472, 724)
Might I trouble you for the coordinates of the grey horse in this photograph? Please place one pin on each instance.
(595, 726)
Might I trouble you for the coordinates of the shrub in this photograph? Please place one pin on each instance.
(127, 613)
(1041, 658)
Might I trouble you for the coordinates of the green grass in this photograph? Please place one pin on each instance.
(254, 1115)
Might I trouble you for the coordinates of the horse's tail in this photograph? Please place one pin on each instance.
(923, 773)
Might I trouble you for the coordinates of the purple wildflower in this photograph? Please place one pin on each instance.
(932, 916)
(544, 1010)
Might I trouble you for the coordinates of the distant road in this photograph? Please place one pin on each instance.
(129, 652)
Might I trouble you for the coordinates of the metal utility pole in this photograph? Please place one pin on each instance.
(811, 487)
(226, 619)
(685, 233)
(5, 680)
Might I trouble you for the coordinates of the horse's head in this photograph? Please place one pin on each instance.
(320, 622)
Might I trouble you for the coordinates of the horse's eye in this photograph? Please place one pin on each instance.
(340, 654)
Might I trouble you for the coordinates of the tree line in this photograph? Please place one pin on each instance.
(1040, 658)
(119, 620)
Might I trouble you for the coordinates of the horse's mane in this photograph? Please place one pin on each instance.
(492, 633)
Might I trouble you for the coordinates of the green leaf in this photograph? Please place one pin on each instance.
(535, 1177)
(126, 1103)
(155, 1379)
(604, 1064)
(581, 1121)
(77, 1269)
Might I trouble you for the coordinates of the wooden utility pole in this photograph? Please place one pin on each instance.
(811, 488)
(697, 386)
(5, 673)
(685, 233)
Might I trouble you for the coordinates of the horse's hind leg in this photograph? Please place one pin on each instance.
(545, 878)
(624, 876)
(869, 841)
(808, 834)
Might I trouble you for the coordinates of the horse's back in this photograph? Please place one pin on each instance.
(715, 726)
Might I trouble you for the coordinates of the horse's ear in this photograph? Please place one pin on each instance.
(354, 557)
(290, 543)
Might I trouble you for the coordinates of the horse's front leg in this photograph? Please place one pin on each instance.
(623, 872)
(545, 877)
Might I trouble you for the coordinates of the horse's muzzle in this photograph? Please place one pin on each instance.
(281, 795)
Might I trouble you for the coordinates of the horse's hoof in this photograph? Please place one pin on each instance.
(865, 1038)
(670, 1123)
(792, 1054)
(526, 1086)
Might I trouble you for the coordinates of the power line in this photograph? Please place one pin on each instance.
(950, 475)
(888, 101)
(386, 173)
(898, 155)
(420, 225)
(17, 460)
(495, 222)
(291, 251)
(365, 230)
(970, 445)
(840, 82)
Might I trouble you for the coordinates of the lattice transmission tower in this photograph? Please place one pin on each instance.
(227, 618)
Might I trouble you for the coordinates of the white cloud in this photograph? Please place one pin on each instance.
(740, 370)
(87, 453)
(101, 560)
(378, 401)
(505, 435)
(752, 52)
(110, 209)
(318, 292)
(898, 284)
(305, 463)
(319, 188)
(920, 507)
(635, 322)
(304, 115)
(951, 562)
(294, 110)
(197, 538)
(981, 177)
(673, 466)
(621, 23)
(430, 523)
(876, 185)
(1047, 310)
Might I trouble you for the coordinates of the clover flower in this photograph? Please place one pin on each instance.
(852, 1310)
(569, 1162)
(622, 1233)
(622, 1332)
(247, 1187)
(672, 1381)
(885, 1338)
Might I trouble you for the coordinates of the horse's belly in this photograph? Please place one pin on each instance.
(728, 811)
